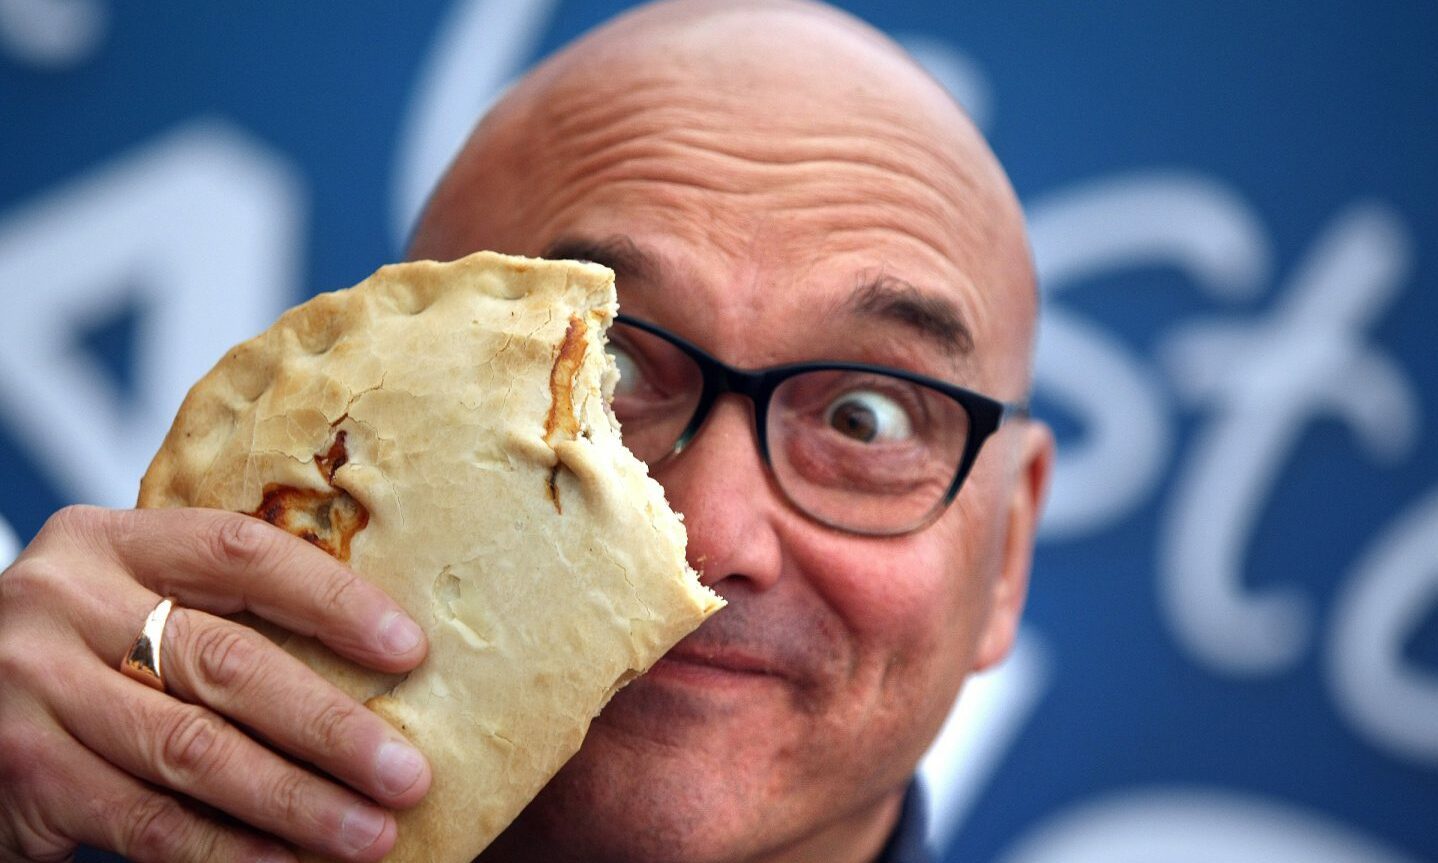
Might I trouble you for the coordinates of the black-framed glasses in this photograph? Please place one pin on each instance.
(861, 448)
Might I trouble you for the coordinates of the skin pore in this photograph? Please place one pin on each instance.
(775, 182)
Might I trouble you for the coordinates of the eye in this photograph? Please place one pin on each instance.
(868, 416)
(630, 377)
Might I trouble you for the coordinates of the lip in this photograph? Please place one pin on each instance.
(698, 663)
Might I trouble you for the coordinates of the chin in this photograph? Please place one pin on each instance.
(651, 784)
(613, 804)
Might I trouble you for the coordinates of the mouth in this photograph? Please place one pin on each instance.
(699, 664)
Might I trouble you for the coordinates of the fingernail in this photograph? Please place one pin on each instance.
(398, 633)
(399, 766)
(360, 827)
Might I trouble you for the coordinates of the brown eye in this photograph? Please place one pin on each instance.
(867, 416)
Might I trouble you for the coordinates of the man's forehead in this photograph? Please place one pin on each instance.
(790, 87)
(867, 304)
(711, 110)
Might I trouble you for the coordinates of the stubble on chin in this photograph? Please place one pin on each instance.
(621, 800)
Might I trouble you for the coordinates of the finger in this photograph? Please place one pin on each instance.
(242, 675)
(224, 562)
(72, 797)
(191, 750)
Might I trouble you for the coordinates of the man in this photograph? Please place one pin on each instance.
(774, 182)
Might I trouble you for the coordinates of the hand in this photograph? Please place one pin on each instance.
(89, 756)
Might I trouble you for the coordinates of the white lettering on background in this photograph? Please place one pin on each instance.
(52, 34)
(1166, 825)
(1168, 219)
(1393, 589)
(204, 226)
(1259, 382)
(1262, 383)
(480, 46)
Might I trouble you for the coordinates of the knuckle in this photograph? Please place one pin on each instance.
(290, 795)
(334, 724)
(36, 841)
(194, 743)
(158, 828)
(339, 591)
(62, 565)
(75, 523)
(239, 541)
(28, 580)
(226, 657)
(38, 848)
(32, 797)
(12, 662)
(77, 515)
(25, 818)
(21, 761)
(37, 612)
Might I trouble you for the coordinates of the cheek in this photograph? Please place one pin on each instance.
(914, 610)
(903, 599)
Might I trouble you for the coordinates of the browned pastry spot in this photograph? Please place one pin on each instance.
(562, 424)
(551, 488)
(334, 459)
(327, 519)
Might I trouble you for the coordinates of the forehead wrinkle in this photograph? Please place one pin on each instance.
(858, 227)
(865, 219)
(651, 122)
(859, 193)
(734, 132)
(798, 185)
(583, 115)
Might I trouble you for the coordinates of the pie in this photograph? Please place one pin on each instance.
(444, 429)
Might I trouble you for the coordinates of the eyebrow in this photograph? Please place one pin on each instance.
(935, 318)
(617, 252)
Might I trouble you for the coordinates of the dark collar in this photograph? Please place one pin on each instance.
(906, 843)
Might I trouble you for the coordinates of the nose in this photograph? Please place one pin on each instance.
(720, 485)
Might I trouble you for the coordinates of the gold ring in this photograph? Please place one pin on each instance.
(142, 663)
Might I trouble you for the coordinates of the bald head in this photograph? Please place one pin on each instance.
(741, 87)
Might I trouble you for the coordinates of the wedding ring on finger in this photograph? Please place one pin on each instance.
(142, 662)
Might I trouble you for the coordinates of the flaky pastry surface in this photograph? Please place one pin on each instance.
(443, 429)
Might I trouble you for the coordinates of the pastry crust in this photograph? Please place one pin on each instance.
(445, 427)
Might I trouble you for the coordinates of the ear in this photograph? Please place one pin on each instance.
(1026, 491)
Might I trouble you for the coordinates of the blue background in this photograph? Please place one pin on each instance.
(1300, 111)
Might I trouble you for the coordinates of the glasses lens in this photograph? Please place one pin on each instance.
(865, 451)
(657, 394)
